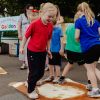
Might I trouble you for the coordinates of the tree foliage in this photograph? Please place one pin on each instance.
(67, 7)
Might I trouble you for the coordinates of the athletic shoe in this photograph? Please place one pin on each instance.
(89, 87)
(26, 84)
(94, 93)
(40, 82)
(47, 68)
(49, 79)
(61, 80)
(55, 80)
(23, 66)
(33, 95)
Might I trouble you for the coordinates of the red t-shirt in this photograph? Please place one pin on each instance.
(39, 35)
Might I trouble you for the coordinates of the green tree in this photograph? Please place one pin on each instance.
(9, 7)
(67, 7)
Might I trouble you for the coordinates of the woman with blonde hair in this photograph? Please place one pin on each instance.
(88, 33)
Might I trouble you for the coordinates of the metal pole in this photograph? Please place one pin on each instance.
(0, 38)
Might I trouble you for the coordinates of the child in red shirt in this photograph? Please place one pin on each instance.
(39, 32)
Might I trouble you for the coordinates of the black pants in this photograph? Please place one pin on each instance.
(36, 63)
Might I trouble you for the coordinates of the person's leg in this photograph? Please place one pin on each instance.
(57, 63)
(91, 74)
(95, 92)
(51, 70)
(22, 59)
(32, 75)
(57, 70)
(36, 62)
(91, 56)
(97, 71)
(57, 73)
(23, 66)
(51, 74)
(71, 57)
(46, 64)
(88, 85)
(64, 73)
(66, 69)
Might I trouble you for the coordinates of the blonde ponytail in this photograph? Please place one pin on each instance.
(85, 8)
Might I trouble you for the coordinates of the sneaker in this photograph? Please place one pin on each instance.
(33, 95)
(47, 68)
(26, 84)
(49, 79)
(94, 93)
(89, 87)
(39, 83)
(61, 80)
(23, 66)
(55, 80)
(99, 61)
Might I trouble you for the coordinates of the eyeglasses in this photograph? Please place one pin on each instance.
(29, 9)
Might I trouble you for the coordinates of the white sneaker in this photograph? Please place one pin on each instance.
(94, 93)
(99, 60)
(26, 84)
(33, 95)
(49, 79)
(55, 80)
(47, 68)
(23, 66)
(89, 87)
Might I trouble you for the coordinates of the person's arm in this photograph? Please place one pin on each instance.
(99, 30)
(60, 20)
(77, 35)
(61, 41)
(49, 42)
(20, 28)
(48, 49)
(62, 47)
(28, 33)
(24, 40)
(77, 30)
(64, 40)
(98, 24)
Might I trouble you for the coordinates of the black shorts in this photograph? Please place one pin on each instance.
(75, 57)
(92, 54)
(56, 59)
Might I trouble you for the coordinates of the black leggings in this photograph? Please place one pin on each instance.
(36, 63)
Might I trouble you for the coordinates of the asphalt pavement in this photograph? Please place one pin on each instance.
(12, 66)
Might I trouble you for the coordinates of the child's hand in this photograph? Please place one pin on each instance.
(65, 56)
(61, 52)
(21, 50)
(49, 54)
(20, 38)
